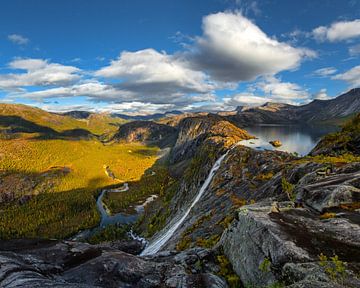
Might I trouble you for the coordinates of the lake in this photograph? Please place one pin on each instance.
(295, 138)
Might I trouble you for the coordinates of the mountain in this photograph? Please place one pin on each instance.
(316, 111)
(78, 114)
(146, 132)
(151, 117)
(26, 119)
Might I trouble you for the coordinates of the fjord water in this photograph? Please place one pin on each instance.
(294, 138)
(169, 231)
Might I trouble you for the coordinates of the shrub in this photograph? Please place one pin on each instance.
(288, 188)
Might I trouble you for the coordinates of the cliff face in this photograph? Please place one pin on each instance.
(195, 131)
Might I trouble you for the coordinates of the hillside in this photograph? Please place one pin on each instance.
(17, 115)
(146, 132)
(345, 141)
(51, 167)
(316, 111)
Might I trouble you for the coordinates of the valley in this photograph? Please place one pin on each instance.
(178, 200)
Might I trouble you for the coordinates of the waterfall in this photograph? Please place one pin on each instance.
(162, 239)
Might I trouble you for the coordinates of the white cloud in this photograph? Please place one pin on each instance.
(159, 77)
(247, 99)
(321, 95)
(338, 31)
(18, 39)
(351, 76)
(324, 72)
(271, 90)
(127, 108)
(354, 50)
(101, 92)
(38, 72)
(287, 92)
(234, 49)
(156, 71)
(94, 90)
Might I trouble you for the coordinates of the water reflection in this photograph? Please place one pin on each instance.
(299, 139)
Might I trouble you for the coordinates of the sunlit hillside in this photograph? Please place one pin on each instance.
(50, 178)
(96, 123)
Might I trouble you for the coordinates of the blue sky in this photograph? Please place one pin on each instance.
(141, 57)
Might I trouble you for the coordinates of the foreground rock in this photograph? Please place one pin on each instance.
(266, 245)
(74, 264)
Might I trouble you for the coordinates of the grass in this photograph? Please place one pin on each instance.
(67, 200)
(323, 159)
(84, 159)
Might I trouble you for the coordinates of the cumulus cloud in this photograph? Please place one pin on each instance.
(101, 92)
(351, 76)
(247, 99)
(18, 39)
(321, 95)
(324, 72)
(277, 90)
(233, 49)
(338, 31)
(269, 89)
(155, 75)
(38, 72)
(127, 108)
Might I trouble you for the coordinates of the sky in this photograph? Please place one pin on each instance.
(144, 57)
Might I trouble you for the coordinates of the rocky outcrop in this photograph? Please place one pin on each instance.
(345, 141)
(146, 132)
(265, 246)
(73, 264)
(195, 131)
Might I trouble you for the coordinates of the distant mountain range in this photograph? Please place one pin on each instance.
(317, 111)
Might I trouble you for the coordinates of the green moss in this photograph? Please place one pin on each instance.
(265, 265)
(184, 243)
(333, 267)
(288, 188)
(208, 242)
(227, 272)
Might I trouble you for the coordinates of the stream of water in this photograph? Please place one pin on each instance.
(159, 242)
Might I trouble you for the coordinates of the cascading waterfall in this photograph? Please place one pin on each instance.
(156, 245)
